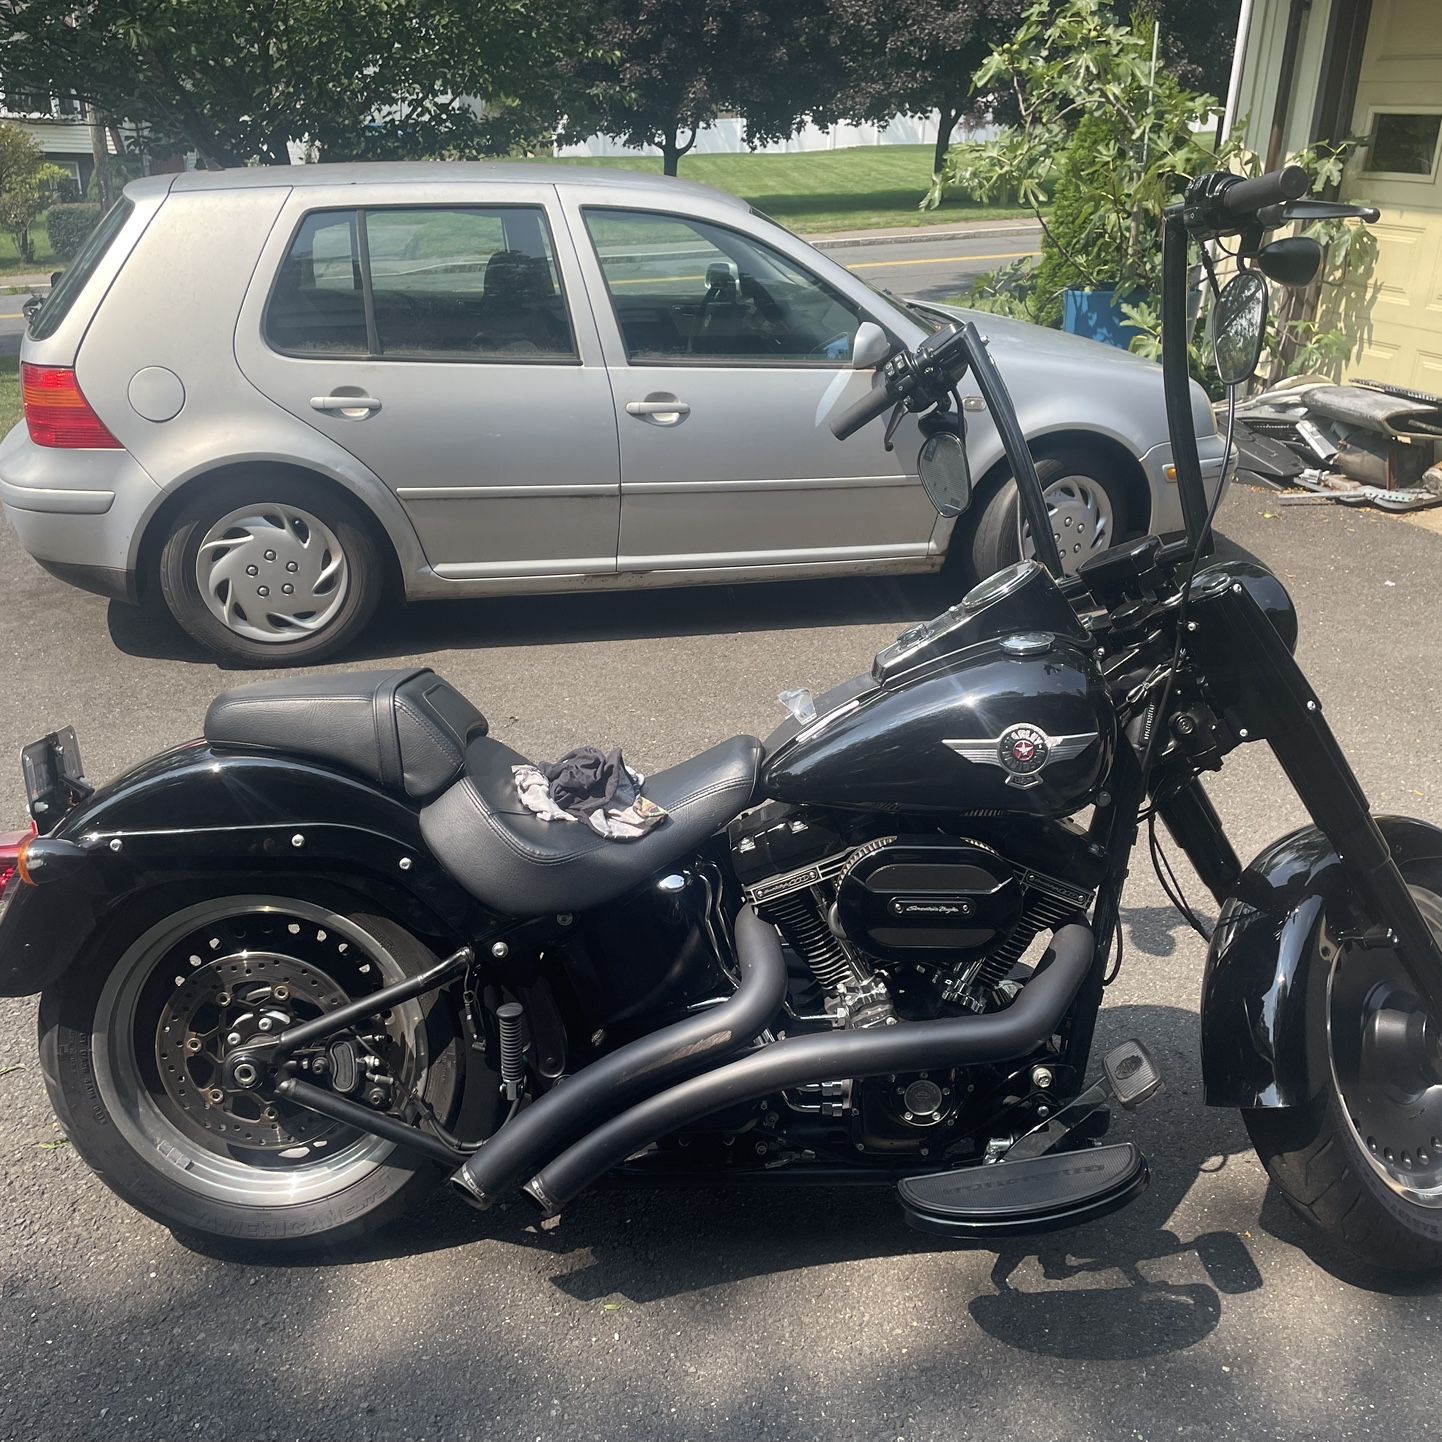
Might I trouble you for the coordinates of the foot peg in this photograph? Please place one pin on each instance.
(1036, 1194)
(1032, 1186)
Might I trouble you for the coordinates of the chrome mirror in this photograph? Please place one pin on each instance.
(1239, 327)
(870, 347)
(945, 473)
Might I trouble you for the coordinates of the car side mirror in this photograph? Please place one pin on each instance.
(871, 346)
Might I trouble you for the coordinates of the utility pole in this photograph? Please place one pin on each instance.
(100, 153)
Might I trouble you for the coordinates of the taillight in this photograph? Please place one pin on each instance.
(58, 413)
(12, 861)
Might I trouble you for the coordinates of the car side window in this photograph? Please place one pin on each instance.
(422, 283)
(684, 290)
(318, 304)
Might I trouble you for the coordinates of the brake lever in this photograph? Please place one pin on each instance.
(892, 424)
(1271, 216)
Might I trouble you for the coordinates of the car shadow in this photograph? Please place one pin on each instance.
(506, 621)
(483, 623)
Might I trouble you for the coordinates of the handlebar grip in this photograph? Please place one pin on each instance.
(1246, 197)
(877, 401)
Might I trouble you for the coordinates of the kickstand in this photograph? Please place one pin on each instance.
(1129, 1076)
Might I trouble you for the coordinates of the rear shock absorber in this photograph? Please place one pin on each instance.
(511, 1025)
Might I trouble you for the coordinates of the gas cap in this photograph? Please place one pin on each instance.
(1027, 643)
(156, 393)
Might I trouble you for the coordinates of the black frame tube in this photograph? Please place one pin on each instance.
(381, 1124)
(641, 1068)
(968, 1040)
(1191, 818)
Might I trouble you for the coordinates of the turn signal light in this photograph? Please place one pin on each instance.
(57, 412)
(13, 846)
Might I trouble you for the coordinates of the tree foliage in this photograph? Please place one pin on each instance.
(238, 80)
(657, 71)
(910, 57)
(1101, 130)
(27, 183)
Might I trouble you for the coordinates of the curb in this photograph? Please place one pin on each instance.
(916, 235)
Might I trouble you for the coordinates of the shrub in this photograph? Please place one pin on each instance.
(68, 226)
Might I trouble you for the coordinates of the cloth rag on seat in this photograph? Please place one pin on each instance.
(591, 786)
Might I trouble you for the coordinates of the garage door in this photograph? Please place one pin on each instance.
(1399, 107)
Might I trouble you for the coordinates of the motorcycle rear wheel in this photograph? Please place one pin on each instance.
(141, 1105)
(1362, 1162)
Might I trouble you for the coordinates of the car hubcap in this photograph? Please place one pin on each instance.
(1385, 1065)
(272, 573)
(202, 984)
(1081, 520)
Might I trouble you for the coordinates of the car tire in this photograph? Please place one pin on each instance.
(1081, 489)
(312, 556)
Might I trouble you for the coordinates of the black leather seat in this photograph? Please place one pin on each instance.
(516, 863)
(405, 730)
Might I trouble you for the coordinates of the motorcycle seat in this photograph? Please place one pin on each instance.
(513, 861)
(405, 730)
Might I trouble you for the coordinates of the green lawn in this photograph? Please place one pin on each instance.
(10, 262)
(9, 392)
(867, 187)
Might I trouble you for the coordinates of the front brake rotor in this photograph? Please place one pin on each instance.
(250, 996)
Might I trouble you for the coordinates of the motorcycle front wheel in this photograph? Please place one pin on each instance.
(131, 1040)
(1363, 1161)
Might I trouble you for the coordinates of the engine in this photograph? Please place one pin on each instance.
(895, 925)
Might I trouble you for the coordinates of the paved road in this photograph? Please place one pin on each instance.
(933, 269)
(929, 270)
(1204, 1311)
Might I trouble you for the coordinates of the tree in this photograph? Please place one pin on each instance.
(660, 70)
(910, 57)
(27, 182)
(239, 80)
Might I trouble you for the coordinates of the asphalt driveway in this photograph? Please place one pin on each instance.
(1204, 1311)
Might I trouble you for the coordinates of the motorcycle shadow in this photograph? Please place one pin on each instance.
(1126, 1287)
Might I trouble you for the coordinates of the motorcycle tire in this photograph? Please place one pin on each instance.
(1362, 1161)
(190, 1163)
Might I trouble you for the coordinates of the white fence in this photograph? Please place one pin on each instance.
(728, 137)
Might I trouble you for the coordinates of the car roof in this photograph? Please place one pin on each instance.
(399, 173)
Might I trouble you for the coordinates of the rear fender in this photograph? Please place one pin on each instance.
(193, 815)
(1264, 991)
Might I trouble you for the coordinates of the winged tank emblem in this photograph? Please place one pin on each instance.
(1023, 751)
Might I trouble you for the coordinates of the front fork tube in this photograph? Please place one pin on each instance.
(1265, 695)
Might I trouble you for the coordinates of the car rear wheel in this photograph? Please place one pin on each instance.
(1087, 504)
(273, 573)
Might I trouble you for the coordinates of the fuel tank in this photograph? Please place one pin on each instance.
(996, 705)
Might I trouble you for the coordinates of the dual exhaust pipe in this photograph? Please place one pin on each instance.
(665, 1082)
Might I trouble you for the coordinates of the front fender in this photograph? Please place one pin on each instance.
(1264, 990)
(193, 815)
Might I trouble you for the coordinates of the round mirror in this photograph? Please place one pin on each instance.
(945, 473)
(1239, 327)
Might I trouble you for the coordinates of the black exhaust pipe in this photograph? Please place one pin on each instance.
(640, 1068)
(910, 1046)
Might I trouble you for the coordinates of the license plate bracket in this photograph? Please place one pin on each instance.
(54, 777)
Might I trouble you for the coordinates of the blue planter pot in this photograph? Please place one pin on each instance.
(1097, 315)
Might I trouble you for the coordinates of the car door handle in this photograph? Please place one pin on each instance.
(657, 407)
(345, 405)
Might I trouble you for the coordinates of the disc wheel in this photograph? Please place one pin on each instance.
(1363, 1161)
(133, 1047)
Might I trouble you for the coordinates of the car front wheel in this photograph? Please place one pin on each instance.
(272, 573)
(1086, 502)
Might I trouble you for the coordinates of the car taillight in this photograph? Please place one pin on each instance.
(58, 413)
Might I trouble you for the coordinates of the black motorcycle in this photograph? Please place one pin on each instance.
(295, 972)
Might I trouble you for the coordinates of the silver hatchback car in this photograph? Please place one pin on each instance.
(274, 396)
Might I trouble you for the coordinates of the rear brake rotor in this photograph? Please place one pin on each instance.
(230, 1002)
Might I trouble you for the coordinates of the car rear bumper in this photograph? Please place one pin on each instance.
(78, 513)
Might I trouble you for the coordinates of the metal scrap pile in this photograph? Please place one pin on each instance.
(1364, 443)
